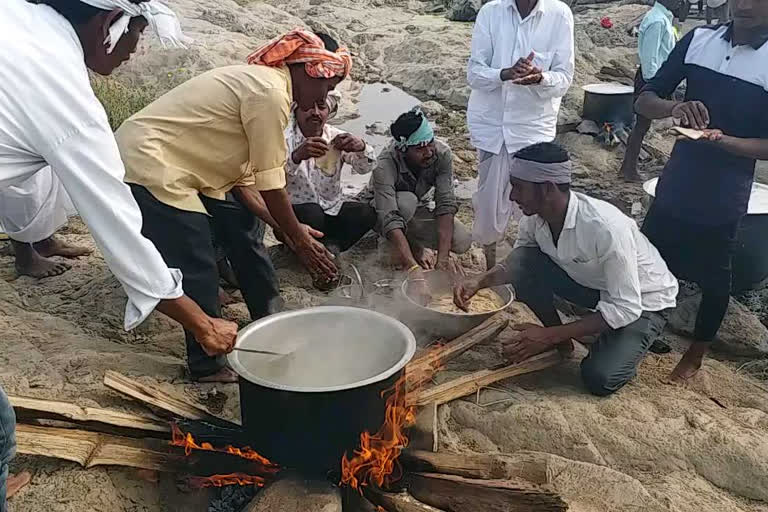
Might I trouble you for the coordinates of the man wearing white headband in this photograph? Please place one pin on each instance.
(585, 251)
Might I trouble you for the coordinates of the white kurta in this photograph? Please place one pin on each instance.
(34, 209)
(50, 115)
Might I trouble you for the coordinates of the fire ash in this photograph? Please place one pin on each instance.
(375, 462)
(264, 466)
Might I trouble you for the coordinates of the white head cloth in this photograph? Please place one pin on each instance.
(162, 21)
(538, 172)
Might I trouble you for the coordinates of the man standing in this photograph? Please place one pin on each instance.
(49, 115)
(220, 132)
(656, 39)
(703, 193)
(585, 251)
(520, 68)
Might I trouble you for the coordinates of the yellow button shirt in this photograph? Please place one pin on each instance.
(222, 129)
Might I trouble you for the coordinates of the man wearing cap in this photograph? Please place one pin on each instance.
(589, 253)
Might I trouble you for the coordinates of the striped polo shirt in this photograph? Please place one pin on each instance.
(702, 183)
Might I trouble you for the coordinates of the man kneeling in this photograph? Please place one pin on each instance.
(589, 253)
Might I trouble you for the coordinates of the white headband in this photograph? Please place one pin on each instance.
(538, 172)
(162, 21)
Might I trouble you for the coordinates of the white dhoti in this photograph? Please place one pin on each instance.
(492, 205)
(34, 209)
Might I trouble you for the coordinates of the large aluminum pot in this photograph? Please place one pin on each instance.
(432, 323)
(750, 263)
(305, 410)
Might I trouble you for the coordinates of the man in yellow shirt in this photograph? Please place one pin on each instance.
(221, 132)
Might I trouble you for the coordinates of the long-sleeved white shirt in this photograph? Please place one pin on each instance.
(50, 115)
(500, 112)
(603, 249)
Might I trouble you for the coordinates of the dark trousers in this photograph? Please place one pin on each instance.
(700, 254)
(7, 444)
(184, 240)
(341, 231)
(613, 358)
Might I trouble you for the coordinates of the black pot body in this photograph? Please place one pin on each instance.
(310, 432)
(750, 263)
(609, 108)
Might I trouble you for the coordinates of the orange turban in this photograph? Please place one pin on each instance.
(301, 46)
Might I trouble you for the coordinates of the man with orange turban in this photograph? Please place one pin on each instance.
(223, 132)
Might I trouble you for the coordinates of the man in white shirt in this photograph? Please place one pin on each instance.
(520, 68)
(49, 115)
(589, 253)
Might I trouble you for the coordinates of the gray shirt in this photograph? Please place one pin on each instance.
(392, 175)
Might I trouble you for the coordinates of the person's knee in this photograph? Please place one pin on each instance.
(407, 203)
(599, 379)
(311, 214)
(368, 217)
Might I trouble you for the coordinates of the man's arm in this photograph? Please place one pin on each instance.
(556, 81)
(651, 104)
(480, 73)
(251, 199)
(747, 148)
(385, 202)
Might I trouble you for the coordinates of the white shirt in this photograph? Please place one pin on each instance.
(603, 249)
(518, 115)
(656, 39)
(50, 115)
(307, 183)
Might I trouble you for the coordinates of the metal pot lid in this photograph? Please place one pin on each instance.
(330, 348)
(758, 200)
(608, 89)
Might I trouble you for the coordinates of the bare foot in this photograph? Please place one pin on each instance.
(53, 246)
(36, 266)
(17, 482)
(225, 376)
(689, 364)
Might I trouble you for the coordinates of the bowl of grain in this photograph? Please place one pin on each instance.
(441, 317)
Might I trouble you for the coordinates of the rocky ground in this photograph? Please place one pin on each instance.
(652, 447)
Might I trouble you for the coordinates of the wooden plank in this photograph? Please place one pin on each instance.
(90, 449)
(424, 434)
(483, 466)
(423, 367)
(159, 399)
(458, 494)
(468, 384)
(27, 408)
(402, 502)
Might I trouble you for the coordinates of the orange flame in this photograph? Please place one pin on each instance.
(375, 462)
(264, 466)
(201, 482)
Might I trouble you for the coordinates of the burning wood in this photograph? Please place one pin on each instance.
(375, 462)
(263, 468)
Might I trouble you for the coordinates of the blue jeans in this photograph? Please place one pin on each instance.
(7, 443)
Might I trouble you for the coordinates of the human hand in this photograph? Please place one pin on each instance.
(348, 143)
(532, 79)
(218, 337)
(691, 113)
(522, 68)
(313, 147)
(426, 259)
(531, 340)
(464, 291)
(314, 255)
(451, 266)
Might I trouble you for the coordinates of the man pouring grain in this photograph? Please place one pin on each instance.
(49, 116)
(220, 132)
(589, 253)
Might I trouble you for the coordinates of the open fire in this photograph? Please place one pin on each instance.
(263, 466)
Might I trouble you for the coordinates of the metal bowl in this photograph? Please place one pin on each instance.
(432, 323)
(331, 348)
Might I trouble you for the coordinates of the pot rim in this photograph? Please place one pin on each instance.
(243, 373)
(604, 89)
(404, 291)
